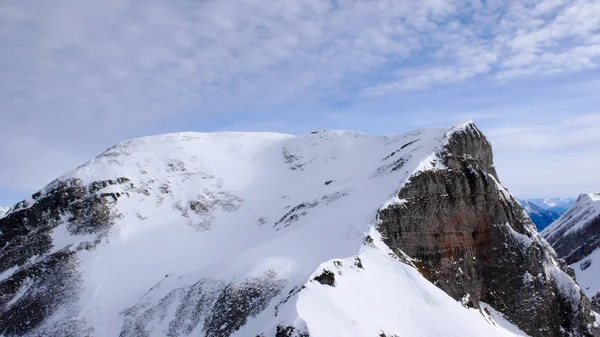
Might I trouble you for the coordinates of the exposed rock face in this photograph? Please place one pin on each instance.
(596, 302)
(475, 242)
(220, 308)
(47, 281)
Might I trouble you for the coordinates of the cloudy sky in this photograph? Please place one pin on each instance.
(77, 76)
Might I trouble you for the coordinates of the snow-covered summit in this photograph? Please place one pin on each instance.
(232, 234)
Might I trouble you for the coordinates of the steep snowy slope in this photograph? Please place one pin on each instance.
(246, 234)
(587, 271)
(541, 217)
(577, 232)
(576, 237)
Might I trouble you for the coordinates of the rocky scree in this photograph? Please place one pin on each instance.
(475, 242)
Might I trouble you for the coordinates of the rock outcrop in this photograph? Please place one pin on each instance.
(472, 239)
(42, 279)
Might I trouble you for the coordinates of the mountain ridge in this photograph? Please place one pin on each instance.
(556, 204)
(234, 202)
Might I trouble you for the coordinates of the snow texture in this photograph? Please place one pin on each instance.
(587, 273)
(203, 218)
(581, 213)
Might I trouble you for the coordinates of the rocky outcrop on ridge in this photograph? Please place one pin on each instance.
(472, 239)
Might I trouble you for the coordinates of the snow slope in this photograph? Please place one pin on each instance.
(203, 212)
(583, 211)
(587, 273)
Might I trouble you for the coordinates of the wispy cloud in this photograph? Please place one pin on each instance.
(76, 76)
(552, 157)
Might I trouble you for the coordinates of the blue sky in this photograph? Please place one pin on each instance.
(77, 77)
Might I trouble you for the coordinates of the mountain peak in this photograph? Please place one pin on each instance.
(245, 234)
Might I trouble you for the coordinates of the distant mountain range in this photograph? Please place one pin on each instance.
(3, 210)
(540, 216)
(558, 205)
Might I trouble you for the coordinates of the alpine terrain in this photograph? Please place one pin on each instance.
(337, 233)
(576, 238)
(555, 204)
(541, 217)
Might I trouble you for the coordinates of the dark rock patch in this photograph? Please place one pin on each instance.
(176, 166)
(585, 265)
(333, 197)
(284, 331)
(289, 157)
(288, 331)
(295, 213)
(398, 164)
(47, 282)
(199, 207)
(326, 278)
(297, 167)
(165, 189)
(389, 156)
(408, 144)
(394, 166)
(328, 182)
(221, 308)
(358, 262)
(34, 292)
(262, 221)
(596, 302)
(383, 334)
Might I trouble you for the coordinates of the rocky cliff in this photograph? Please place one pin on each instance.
(239, 234)
(472, 239)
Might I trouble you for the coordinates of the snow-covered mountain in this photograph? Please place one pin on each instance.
(577, 232)
(541, 217)
(555, 204)
(259, 234)
(576, 237)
